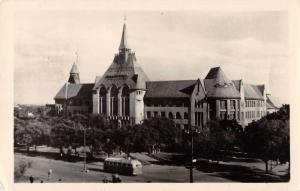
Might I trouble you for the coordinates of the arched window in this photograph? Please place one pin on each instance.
(114, 100)
(125, 101)
(170, 115)
(185, 115)
(102, 100)
(178, 116)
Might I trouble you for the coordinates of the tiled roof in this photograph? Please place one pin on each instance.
(253, 91)
(120, 73)
(169, 89)
(217, 85)
(237, 84)
(273, 102)
(74, 90)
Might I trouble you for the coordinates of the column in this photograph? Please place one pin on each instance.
(120, 103)
(217, 109)
(108, 102)
(96, 102)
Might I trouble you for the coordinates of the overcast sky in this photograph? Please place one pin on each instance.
(252, 46)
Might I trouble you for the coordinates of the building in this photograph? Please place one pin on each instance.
(126, 95)
(273, 104)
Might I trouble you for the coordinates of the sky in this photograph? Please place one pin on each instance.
(169, 45)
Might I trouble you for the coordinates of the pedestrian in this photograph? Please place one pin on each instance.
(49, 173)
(105, 180)
(31, 179)
(42, 181)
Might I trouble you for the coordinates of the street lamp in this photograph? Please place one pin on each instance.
(192, 131)
(84, 147)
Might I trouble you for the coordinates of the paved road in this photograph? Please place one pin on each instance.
(71, 172)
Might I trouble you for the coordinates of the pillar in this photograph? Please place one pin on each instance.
(120, 103)
(108, 102)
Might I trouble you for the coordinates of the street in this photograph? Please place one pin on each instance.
(72, 172)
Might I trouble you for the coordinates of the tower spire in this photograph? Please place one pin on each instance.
(74, 73)
(124, 43)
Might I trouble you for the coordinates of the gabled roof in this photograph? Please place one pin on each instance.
(253, 91)
(273, 102)
(74, 90)
(124, 72)
(217, 85)
(170, 89)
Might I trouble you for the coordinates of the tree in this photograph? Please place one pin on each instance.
(267, 139)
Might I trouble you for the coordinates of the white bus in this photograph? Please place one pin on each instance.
(123, 166)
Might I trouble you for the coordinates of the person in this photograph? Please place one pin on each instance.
(49, 173)
(105, 180)
(31, 179)
(42, 181)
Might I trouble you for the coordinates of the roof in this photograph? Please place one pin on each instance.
(253, 91)
(218, 85)
(74, 90)
(124, 43)
(123, 72)
(237, 84)
(273, 102)
(74, 69)
(169, 89)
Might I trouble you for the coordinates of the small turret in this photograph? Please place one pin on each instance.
(74, 75)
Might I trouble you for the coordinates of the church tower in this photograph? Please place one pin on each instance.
(119, 94)
(74, 75)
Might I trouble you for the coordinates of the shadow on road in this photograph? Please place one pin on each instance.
(240, 173)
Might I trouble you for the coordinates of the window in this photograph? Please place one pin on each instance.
(223, 104)
(155, 114)
(148, 114)
(232, 104)
(178, 116)
(222, 115)
(232, 115)
(170, 115)
(163, 114)
(185, 115)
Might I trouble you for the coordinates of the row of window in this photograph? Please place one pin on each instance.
(199, 118)
(254, 103)
(170, 115)
(198, 104)
(233, 104)
(167, 105)
(253, 114)
(231, 115)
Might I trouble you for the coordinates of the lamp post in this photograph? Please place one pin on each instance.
(192, 131)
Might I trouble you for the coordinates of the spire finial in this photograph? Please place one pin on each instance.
(76, 53)
(124, 43)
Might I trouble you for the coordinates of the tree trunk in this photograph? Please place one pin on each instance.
(266, 166)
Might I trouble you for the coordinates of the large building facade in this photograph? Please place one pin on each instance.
(126, 95)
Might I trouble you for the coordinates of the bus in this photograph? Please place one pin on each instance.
(123, 166)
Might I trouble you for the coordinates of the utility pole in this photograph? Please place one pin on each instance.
(192, 131)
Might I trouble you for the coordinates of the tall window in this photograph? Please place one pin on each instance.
(232, 104)
(114, 100)
(178, 116)
(185, 115)
(170, 115)
(102, 95)
(125, 101)
(223, 104)
(222, 115)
